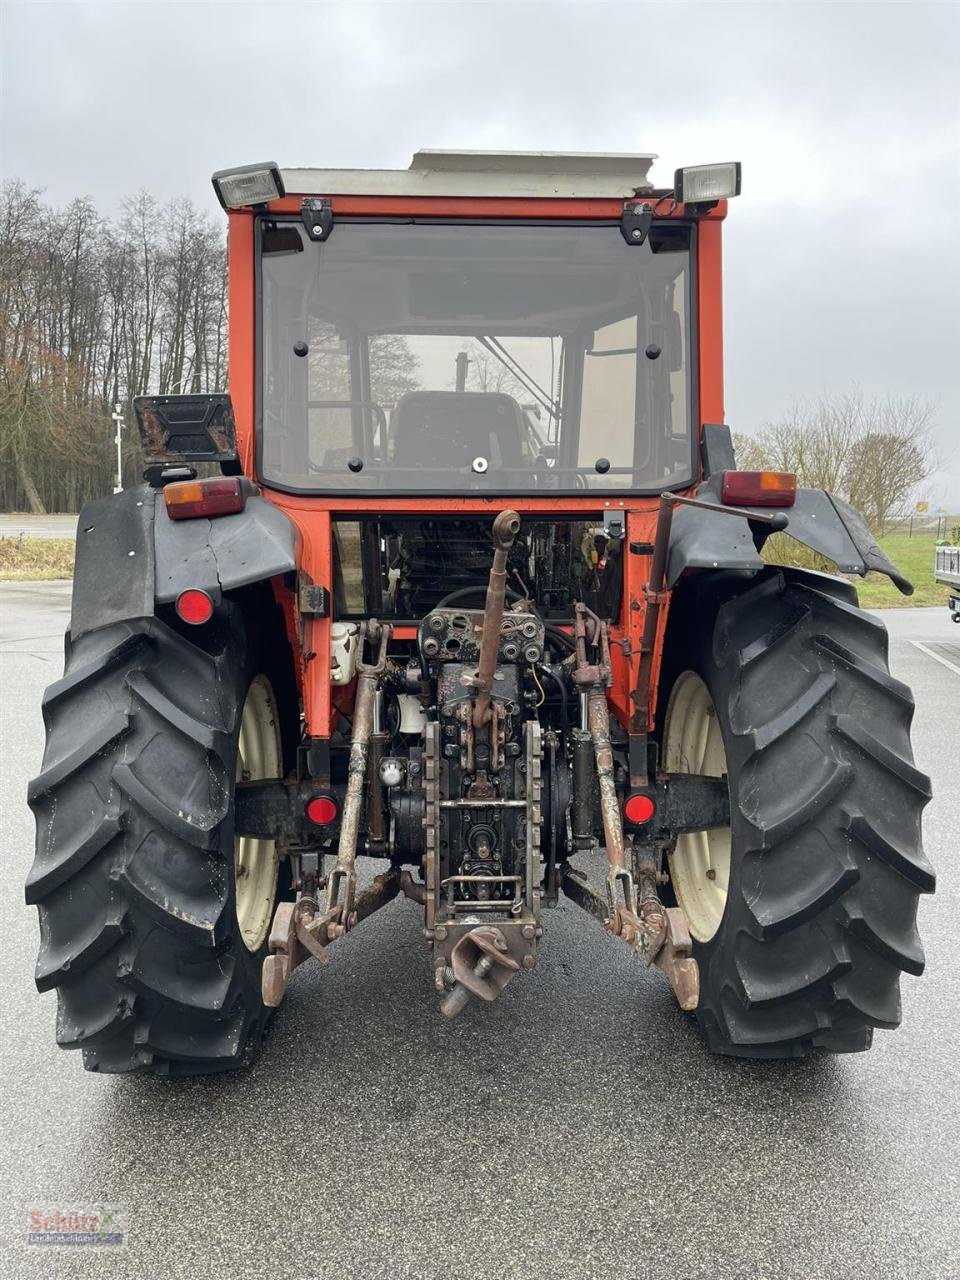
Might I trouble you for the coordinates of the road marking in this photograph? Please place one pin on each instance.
(952, 666)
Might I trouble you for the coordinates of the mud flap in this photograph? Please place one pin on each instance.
(704, 540)
(132, 556)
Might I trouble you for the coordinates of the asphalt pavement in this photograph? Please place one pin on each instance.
(577, 1129)
(23, 524)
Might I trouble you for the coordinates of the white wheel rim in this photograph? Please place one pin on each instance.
(700, 863)
(256, 862)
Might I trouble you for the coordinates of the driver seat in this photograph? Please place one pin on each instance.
(451, 428)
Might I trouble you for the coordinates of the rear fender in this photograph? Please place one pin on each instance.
(131, 556)
(820, 520)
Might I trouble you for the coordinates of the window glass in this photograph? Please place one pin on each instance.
(492, 358)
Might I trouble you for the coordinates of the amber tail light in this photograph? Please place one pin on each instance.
(193, 499)
(758, 488)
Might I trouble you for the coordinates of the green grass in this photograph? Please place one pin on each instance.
(30, 559)
(913, 556)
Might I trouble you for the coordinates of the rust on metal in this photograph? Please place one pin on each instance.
(341, 885)
(301, 930)
(415, 890)
(657, 934)
(676, 961)
(481, 966)
(182, 428)
(593, 680)
(505, 529)
(598, 724)
(382, 889)
(296, 934)
(431, 818)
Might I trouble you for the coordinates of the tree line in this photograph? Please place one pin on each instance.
(95, 311)
(875, 452)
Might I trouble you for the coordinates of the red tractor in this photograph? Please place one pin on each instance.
(462, 576)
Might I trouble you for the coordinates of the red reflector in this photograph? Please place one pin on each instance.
(758, 488)
(321, 810)
(190, 499)
(194, 607)
(639, 809)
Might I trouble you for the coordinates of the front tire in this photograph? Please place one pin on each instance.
(809, 917)
(155, 958)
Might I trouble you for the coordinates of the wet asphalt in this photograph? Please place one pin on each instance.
(577, 1129)
(23, 524)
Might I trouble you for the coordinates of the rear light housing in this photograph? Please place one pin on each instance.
(758, 488)
(196, 499)
(321, 810)
(639, 809)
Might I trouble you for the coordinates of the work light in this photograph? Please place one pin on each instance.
(707, 183)
(248, 184)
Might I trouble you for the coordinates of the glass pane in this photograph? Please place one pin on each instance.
(461, 358)
(609, 398)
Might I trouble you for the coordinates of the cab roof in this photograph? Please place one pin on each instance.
(545, 174)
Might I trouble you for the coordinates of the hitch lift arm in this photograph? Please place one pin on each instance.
(660, 935)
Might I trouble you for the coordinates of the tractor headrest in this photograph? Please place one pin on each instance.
(451, 428)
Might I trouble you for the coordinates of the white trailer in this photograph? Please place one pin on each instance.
(946, 569)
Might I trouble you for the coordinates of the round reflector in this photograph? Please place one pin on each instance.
(639, 809)
(194, 607)
(321, 810)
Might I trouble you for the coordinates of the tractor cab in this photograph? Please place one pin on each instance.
(522, 323)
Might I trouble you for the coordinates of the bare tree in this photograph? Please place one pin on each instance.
(891, 458)
(487, 373)
(93, 313)
(872, 452)
(749, 452)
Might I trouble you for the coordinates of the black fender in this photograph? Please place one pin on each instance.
(820, 520)
(131, 556)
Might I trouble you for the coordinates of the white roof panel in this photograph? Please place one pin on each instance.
(564, 174)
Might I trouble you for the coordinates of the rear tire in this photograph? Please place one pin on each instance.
(825, 864)
(134, 875)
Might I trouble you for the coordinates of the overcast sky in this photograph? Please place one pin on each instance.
(842, 263)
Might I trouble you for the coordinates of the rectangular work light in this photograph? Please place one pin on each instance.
(707, 183)
(248, 184)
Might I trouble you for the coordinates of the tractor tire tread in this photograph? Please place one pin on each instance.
(132, 804)
(821, 914)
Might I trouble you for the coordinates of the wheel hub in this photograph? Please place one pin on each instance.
(256, 861)
(700, 861)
